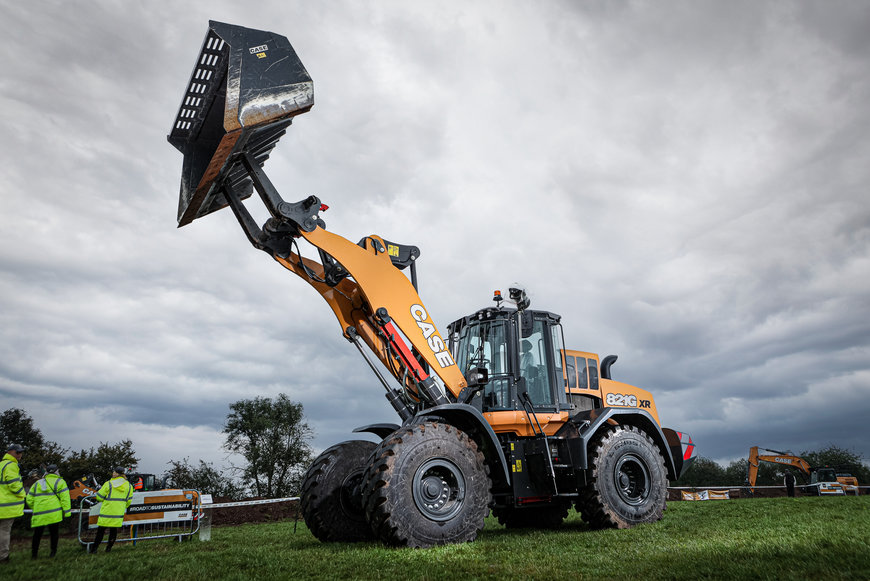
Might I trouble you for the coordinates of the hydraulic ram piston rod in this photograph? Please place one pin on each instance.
(391, 394)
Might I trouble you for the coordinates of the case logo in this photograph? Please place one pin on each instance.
(433, 339)
(260, 51)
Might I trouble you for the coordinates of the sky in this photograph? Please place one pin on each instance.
(686, 183)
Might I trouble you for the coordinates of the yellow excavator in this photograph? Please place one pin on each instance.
(496, 414)
(823, 481)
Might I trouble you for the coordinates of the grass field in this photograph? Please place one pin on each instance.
(777, 538)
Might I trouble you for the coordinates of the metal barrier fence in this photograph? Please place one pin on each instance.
(159, 514)
(848, 490)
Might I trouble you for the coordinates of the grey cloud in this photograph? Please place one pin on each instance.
(684, 183)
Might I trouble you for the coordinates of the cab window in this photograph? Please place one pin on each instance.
(534, 366)
(582, 378)
(571, 371)
(593, 374)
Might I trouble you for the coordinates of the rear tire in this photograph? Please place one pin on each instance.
(427, 485)
(331, 500)
(628, 484)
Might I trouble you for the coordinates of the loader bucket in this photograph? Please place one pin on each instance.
(245, 89)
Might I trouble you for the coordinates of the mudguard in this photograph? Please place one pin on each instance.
(471, 421)
(379, 430)
(583, 426)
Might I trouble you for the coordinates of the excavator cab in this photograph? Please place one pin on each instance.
(823, 475)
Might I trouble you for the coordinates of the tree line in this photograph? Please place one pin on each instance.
(271, 435)
(706, 472)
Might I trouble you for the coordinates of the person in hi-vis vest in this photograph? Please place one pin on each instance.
(12, 495)
(115, 496)
(48, 498)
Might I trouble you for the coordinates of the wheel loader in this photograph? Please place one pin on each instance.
(495, 415)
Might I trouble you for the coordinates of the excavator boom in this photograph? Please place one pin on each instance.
(774, 457)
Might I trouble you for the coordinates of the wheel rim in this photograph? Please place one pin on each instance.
(350, 497)
(632, 480)
(439, 489)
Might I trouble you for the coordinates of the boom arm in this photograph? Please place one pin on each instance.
(245, 90)
(360, 282)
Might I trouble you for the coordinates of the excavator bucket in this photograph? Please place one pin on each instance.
(245, 89)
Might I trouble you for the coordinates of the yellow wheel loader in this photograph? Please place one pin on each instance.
(495, 415)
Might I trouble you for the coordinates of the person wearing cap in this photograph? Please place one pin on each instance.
(115, 496)
(11, 496)
(49, 500)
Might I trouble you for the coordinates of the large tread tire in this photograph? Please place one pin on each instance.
(427, 485)
(628, 484)
(331, 500)
(547, 517)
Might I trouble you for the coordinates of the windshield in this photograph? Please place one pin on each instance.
(484, 344)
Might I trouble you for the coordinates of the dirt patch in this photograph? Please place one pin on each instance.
(236, 515)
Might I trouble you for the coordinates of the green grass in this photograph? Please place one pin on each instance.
(777, 538)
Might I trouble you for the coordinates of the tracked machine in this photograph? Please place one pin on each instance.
(495, 415)
(822, 480)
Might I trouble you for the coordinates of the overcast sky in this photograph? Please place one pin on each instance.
(686, 183)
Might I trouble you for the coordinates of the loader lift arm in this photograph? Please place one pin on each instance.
(373, 301)
(243, 94)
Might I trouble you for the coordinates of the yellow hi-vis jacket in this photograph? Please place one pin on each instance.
(115, 496)
(49, 500)
(11, 490)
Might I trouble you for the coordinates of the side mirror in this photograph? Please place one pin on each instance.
(477, 377)
(527, 324)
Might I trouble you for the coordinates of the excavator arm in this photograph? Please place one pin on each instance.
(774, 457)
(245, 89)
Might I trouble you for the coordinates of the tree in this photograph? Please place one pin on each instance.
(737, 472)
(16, 427)
(842, 460)
(102, 461)
(702, 472)
(273, 438)
(204, 478)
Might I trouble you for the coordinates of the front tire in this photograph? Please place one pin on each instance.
(331, 499)
(628, 484)
(427, 485)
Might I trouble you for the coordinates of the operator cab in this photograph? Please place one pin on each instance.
(521, 351)
(823, 475)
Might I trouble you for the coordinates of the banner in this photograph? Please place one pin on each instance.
(158, 506)
(706, 495)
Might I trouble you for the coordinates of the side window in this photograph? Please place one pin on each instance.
(534, 366)
(593, 374)
(557, 349)
(583, 381)
(571, 371)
